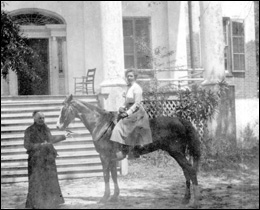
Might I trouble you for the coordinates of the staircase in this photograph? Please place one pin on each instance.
(77, 157)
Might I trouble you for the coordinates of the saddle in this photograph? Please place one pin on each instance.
(104, 128)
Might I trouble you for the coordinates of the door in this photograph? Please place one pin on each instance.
(39, 86)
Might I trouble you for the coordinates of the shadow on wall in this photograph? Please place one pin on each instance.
(222, 128)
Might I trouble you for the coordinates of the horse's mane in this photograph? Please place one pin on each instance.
(105, 123)
(93, 107)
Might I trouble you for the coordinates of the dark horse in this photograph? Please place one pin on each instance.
(171, 134)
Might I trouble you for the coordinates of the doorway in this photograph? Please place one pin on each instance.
(41, 85)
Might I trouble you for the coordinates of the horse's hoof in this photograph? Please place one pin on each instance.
(195, 205)
(113, 199)
(103, 200)
(185, 201)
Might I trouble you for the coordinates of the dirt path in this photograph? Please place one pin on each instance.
(147, 187)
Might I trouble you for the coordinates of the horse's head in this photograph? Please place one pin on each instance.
(67, 113)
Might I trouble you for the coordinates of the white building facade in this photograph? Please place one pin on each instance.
(76, 36)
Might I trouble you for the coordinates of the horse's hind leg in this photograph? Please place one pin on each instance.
(187, 196)
(190, 174)
(113, 170)
(105, 165)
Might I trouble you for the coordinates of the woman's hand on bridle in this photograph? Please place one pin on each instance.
(68, 135)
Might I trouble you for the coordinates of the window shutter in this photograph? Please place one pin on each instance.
(238, 45)
(227, 42)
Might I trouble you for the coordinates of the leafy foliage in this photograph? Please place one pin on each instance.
(16, 55)
(199, 104)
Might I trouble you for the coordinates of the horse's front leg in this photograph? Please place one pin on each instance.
(113, 169)
(105, 164)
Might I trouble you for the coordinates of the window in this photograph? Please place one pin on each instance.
(35, 18)
(137, 49)
(234, 52)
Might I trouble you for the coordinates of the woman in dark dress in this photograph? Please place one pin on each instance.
(44, 190)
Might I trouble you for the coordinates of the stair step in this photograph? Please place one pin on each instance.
(78, 150)
(67, 169)
(28, 98)
(58, 146)
(44, 107)
(28, 114)
(66, 154)
(20, 130)
(77, 157)
(29, 120)
(51, 124)
(59, 163)
(12, 179)
(41, 102)
(20, 135)
(17, 143)
(21, 109)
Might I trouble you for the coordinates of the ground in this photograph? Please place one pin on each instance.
(153, 187)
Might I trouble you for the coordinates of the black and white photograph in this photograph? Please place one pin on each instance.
(129, 105)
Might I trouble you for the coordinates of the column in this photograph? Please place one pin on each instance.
(113, 85)
(212, 41)
(54, 67)
(195, 27)
(222, 127)
(65, 65)
(177, 30)
(113, 55)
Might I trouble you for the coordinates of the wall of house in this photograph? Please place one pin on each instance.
(83, 34)
(93, 41)
(245, 83)
(247, 120)
(168, 29)
(83, 27)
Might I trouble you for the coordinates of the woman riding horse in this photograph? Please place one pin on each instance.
(133, 126)
(171, 134)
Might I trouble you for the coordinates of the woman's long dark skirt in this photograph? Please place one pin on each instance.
(44, 190)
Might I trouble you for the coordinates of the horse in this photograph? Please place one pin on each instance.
(172, 134)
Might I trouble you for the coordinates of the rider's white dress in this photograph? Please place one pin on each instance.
(134, 129)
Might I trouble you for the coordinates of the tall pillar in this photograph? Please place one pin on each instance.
(65, 65)
(54, 67)
(222, 127)
(113, 54)
(212, 41)
(195, 34)
(113, 85)
(177, 37)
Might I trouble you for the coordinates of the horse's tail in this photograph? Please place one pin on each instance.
(193, 143)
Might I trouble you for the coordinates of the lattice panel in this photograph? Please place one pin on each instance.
(160, 108)
(167, 108)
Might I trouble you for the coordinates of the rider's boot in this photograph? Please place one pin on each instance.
(133, 153)
(121, 151)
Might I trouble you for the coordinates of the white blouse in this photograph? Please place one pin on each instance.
(133, 98)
